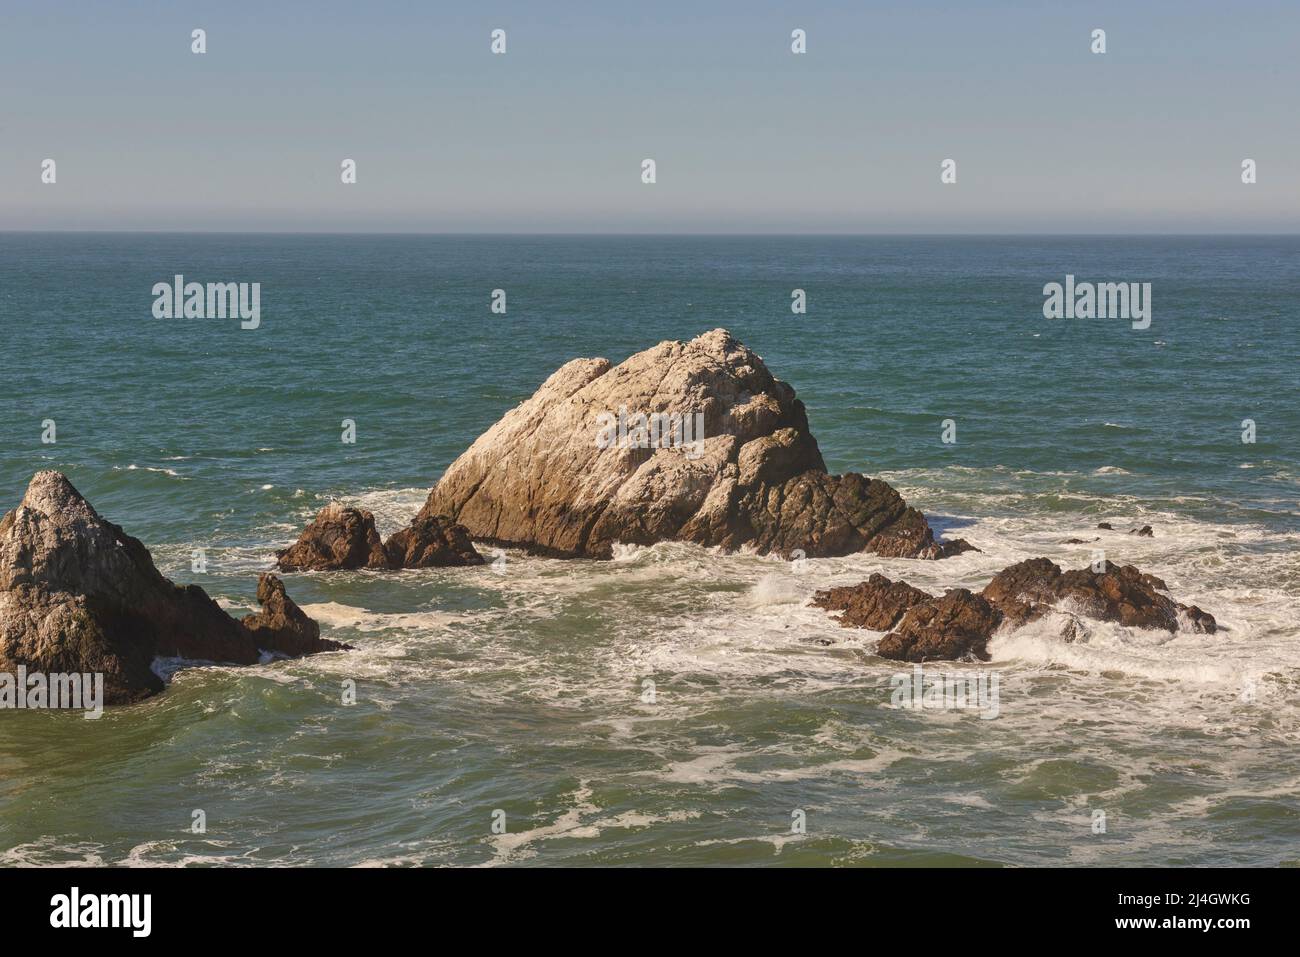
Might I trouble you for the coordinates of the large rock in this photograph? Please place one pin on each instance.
(753, 477)
(77, 594)
(960, 623)
(340, 537)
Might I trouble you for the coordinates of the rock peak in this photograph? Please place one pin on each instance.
(718, 341)
(51, 494)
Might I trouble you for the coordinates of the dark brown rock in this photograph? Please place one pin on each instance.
(959, 624)
(1028, 589)
(1199, 621)
(77, 594)
(281, 626)
(1106, 525)
(340, 537)
(1143, 532)
(431, 542)
(950, 628)
(876, 603)
(543, 479)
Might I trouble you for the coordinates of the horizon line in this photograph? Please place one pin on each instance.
(657, 234)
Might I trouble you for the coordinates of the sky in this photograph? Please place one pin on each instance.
(747, 137)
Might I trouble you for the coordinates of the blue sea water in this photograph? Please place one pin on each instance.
(523, 692)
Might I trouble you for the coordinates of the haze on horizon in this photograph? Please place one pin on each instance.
(747, 137)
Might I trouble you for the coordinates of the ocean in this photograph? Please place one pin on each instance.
(501, 714)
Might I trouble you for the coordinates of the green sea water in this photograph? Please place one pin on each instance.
(518, 694)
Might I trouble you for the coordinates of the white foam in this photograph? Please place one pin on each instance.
(337, 615)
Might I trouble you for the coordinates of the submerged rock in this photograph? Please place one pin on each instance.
(1142, 532)
(691, 441)
(960, 623)
(77, 594)
(340, 537)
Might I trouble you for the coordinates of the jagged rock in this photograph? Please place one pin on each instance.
(431, 542)
(876, 603)
(960, 623)
(281, 626)
(753, 477)
(1027, 590)
(340, 537)
(1106, 525)
(77, 594)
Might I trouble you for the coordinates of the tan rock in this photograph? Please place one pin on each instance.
(540, 479)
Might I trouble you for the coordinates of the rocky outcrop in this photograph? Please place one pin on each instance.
(281, 626)
(1029, 589)
(431, 542)
(959, 623)
(340, 537)
(343, 538)
(691, 441)
(877, 603)
(77, 594)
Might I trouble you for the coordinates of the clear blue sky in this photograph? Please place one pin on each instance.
(748, 137)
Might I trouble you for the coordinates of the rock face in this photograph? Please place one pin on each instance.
(960, 623)
(341, 537)
(77, 594)
(690, 441)
(431, 542)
